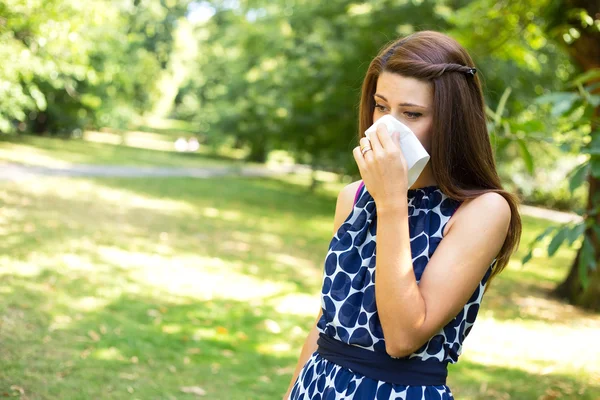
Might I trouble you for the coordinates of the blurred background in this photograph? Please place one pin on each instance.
(168, 178)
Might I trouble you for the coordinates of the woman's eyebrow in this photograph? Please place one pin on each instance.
(401, 104)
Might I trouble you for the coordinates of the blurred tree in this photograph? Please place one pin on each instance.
(68, 63)
(277, 74)
(287, 75)
(576, 24)
(517, 63)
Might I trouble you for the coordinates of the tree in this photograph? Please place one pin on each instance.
(273, 75)
(68, 64)
(577, 24)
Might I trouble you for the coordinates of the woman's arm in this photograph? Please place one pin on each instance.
(411, 313)
(343, 207)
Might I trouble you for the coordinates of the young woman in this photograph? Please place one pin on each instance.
(434, 246)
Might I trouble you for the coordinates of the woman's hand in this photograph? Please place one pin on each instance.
(383, 169)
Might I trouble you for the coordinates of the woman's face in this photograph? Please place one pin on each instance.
(409, 100)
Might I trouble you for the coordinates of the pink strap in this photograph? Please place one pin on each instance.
(358, 191)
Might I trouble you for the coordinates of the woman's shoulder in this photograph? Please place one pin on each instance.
(348, 192)
(345, 203)
(487, 204)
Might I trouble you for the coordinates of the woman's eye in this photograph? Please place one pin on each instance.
(412, 115)
(380, 107)
(409, 115)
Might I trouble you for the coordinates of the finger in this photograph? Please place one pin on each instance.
(366, 143)
(396, 139)
(360, 161)
(385, 138)
(376, 142)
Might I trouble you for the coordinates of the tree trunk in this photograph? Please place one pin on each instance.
(314, 182)
(40, 124)
(238, 143)
(571, 289)
(585, 51)
(258, 150)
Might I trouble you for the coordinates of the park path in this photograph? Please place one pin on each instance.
(17, 172)
(13, 171)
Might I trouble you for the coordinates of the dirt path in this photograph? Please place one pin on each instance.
(13, 172)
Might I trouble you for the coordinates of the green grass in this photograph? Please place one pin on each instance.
(140, 288)
(169, 127)
(104, 148)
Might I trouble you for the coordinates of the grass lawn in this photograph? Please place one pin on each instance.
(173, 288)
(136, 148)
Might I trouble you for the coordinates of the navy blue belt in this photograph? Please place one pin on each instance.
(382, 367)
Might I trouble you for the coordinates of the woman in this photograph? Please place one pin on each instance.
(393, 339)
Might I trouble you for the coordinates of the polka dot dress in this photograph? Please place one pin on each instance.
(349, 308)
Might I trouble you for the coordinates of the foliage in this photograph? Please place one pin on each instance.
(67, 64)
(270, 75)
(575, 109)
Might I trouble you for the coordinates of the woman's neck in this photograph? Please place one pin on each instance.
(425, 179)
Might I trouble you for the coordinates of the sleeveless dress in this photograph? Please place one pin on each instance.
(349, 308)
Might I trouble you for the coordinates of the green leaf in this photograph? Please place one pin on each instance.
(586, 77)
(578, 176)
(527, 257)
(557, 240)
(543, 234)
(592, 87)
(38, 97)
(594, 100)
(502, 104)
(535, 241)
(561, 101)
(566, 107)
(554, 97)
(593, 147)
(526, 156)
(490, 113)
(502, 143)
(576, 232)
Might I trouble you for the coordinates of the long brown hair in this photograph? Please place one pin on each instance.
(462, 159)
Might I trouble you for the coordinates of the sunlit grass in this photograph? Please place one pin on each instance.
(137, 288)
(148, 278)
(105, 148)
(136, 149)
